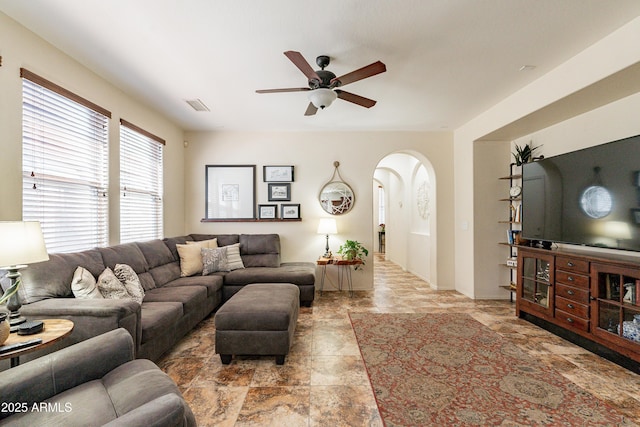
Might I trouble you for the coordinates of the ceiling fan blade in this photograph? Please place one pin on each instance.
(311, 110)
(356, 99)
(291, 89)
(359, 74)
(302, 64)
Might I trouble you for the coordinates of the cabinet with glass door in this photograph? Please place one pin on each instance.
(535, 281)
(615, 304)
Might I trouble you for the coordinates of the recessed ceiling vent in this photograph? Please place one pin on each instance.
(197, 105)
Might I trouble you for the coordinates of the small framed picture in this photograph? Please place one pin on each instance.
(277, 173)
(635, 214)
(279, 192)
(267, 211)
(290, 211)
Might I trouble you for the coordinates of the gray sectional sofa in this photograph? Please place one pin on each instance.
(172, 304)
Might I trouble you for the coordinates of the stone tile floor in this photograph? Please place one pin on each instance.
(324, 382)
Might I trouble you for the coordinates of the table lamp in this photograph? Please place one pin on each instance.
(327, 226)
(21, 243)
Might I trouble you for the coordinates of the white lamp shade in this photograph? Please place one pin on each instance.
(21, 242)
(322, 97)
(327, 226)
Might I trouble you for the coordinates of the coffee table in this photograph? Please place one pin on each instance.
(54, 330)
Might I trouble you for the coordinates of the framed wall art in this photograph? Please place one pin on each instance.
(290, 211)
(279, 192)
(267, 211)
(230, 192)
(277, 173)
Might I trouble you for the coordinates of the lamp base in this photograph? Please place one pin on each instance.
(15, 319)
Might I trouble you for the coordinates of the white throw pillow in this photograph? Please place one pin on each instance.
(214, 260)
(234, 260)
(130, 280)
(110, 287)
(83, 284)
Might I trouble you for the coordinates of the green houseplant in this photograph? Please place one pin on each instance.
(524, 154)
(352, 249)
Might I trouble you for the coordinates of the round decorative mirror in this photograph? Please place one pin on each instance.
(336, 197)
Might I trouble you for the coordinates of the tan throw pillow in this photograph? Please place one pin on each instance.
(234, 261)
(191, 258)
(83, 284)
(130, 280)
(110, 287)
(214, 260)
(209, 244)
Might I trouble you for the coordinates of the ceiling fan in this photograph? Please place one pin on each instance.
(323, 83)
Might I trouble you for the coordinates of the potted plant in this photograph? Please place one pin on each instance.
(352, 250)
(524, 154)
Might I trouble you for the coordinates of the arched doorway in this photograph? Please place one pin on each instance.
(406, 183)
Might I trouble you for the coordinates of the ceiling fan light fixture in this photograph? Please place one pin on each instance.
(322, 97)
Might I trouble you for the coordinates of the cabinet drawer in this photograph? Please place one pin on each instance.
(572, 321)
(572, 307)
(572, 264)
(572, 279)
(573, 294)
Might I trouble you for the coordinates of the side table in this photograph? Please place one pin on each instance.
(344, 269)
(54, 330)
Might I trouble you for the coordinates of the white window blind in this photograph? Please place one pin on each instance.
(140, 184)
(65, 165)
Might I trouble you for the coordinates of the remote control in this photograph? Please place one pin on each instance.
(11, 347)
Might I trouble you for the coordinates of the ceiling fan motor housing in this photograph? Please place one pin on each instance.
(325, 80)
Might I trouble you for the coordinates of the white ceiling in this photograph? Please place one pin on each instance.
(447, 60)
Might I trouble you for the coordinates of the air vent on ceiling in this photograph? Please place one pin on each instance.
(197, 105)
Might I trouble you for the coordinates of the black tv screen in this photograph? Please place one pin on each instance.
(588, 197)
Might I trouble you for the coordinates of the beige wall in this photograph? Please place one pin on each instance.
(313, 154)
(566, 92)
(21, 48)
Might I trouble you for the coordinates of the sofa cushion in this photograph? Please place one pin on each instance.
(213, 283)
(165, 273)
(260, 250)
(129, 253)
(52, 278)
(88, 401)
(191, 297)
(223, 239)
(124, 385)
(298, 273)
(155, 252)
(159, 318)
(84, 285)
(171, 243)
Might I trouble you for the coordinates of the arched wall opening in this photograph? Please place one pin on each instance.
(409, 184)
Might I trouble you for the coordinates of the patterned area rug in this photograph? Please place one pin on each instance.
(450, 370)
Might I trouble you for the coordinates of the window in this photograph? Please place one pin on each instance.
(140, 184)
(64, 163)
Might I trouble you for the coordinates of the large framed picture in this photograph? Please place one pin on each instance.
(290, 211)
(277, 173)
(279, 192)
(230, 192)
(267, 211)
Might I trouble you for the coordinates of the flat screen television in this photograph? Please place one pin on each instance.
(589, 197)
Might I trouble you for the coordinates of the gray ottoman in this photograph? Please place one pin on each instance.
(258, 320)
